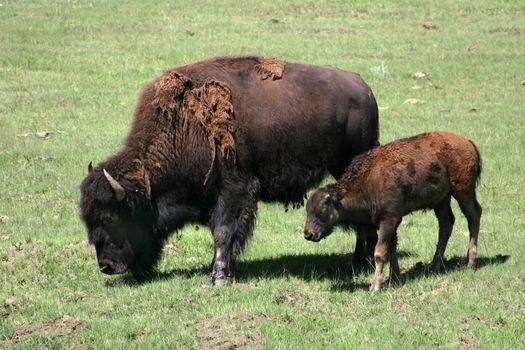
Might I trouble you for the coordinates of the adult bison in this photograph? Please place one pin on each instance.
(212, 138)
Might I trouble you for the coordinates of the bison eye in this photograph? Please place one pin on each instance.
(109, 220)
(322, 213)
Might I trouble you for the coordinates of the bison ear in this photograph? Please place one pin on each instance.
(337, 196)
(141, 176)
(90, 167)
(326, 197)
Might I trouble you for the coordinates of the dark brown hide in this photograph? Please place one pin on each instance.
(390, 181)
(209, 140)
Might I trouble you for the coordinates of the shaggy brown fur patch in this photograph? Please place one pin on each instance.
(168, 88)
(212, 107)
(270, 68)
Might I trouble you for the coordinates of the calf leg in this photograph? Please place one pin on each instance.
(364, 247)
(446, 220)
(387, 230)
(371, 241)
(232, 224)
(395, 272)
(472, 210)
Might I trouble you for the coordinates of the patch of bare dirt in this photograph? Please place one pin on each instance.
(13, 306)
(65, 326)
(293, 297)
(230, 331)
(428, 25)
(78, 246)
(28, 198)
(310, 10)
(64, 104)
(5, 311)
(171, 249)
(40, 134)
(243, 286)
(4, 218)
(27, 248)
(44, 158)
(57, 203)
(299, 299)
(76, 297)
(440, 286)
(107, 311)
(467, 339)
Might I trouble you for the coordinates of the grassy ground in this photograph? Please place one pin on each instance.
(75, 68)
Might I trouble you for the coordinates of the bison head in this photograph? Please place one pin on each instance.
(121, 223)
(322, 215)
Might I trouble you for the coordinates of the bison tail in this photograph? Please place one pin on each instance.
(478, 161)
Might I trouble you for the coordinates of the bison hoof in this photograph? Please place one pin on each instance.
(470, 267)
(373, 289)
(393, 281)
(219, 278)
(218, 282)
(436, 266)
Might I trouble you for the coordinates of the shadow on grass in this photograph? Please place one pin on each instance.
(335, 267)
(455, 263)
(309, 267)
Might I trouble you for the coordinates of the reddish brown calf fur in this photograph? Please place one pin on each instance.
(381, 186)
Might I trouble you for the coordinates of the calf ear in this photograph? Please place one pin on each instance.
(336, 197)
(326, 197)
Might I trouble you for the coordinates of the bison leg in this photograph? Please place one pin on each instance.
(232, 224)
(364, 248)
(446, 220)
(387, 230)
(472, 210)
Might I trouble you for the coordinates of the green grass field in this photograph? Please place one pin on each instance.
(75, 68)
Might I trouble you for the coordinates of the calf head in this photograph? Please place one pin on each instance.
(323, 212)
(121, 223)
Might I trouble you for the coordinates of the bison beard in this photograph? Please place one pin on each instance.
(212, 138)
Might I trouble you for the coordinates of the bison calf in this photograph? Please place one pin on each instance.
(381, 186)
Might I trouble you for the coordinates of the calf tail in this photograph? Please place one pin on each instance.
(478, 161)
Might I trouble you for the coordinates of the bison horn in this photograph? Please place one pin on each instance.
(120, 193)
(90, 167)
